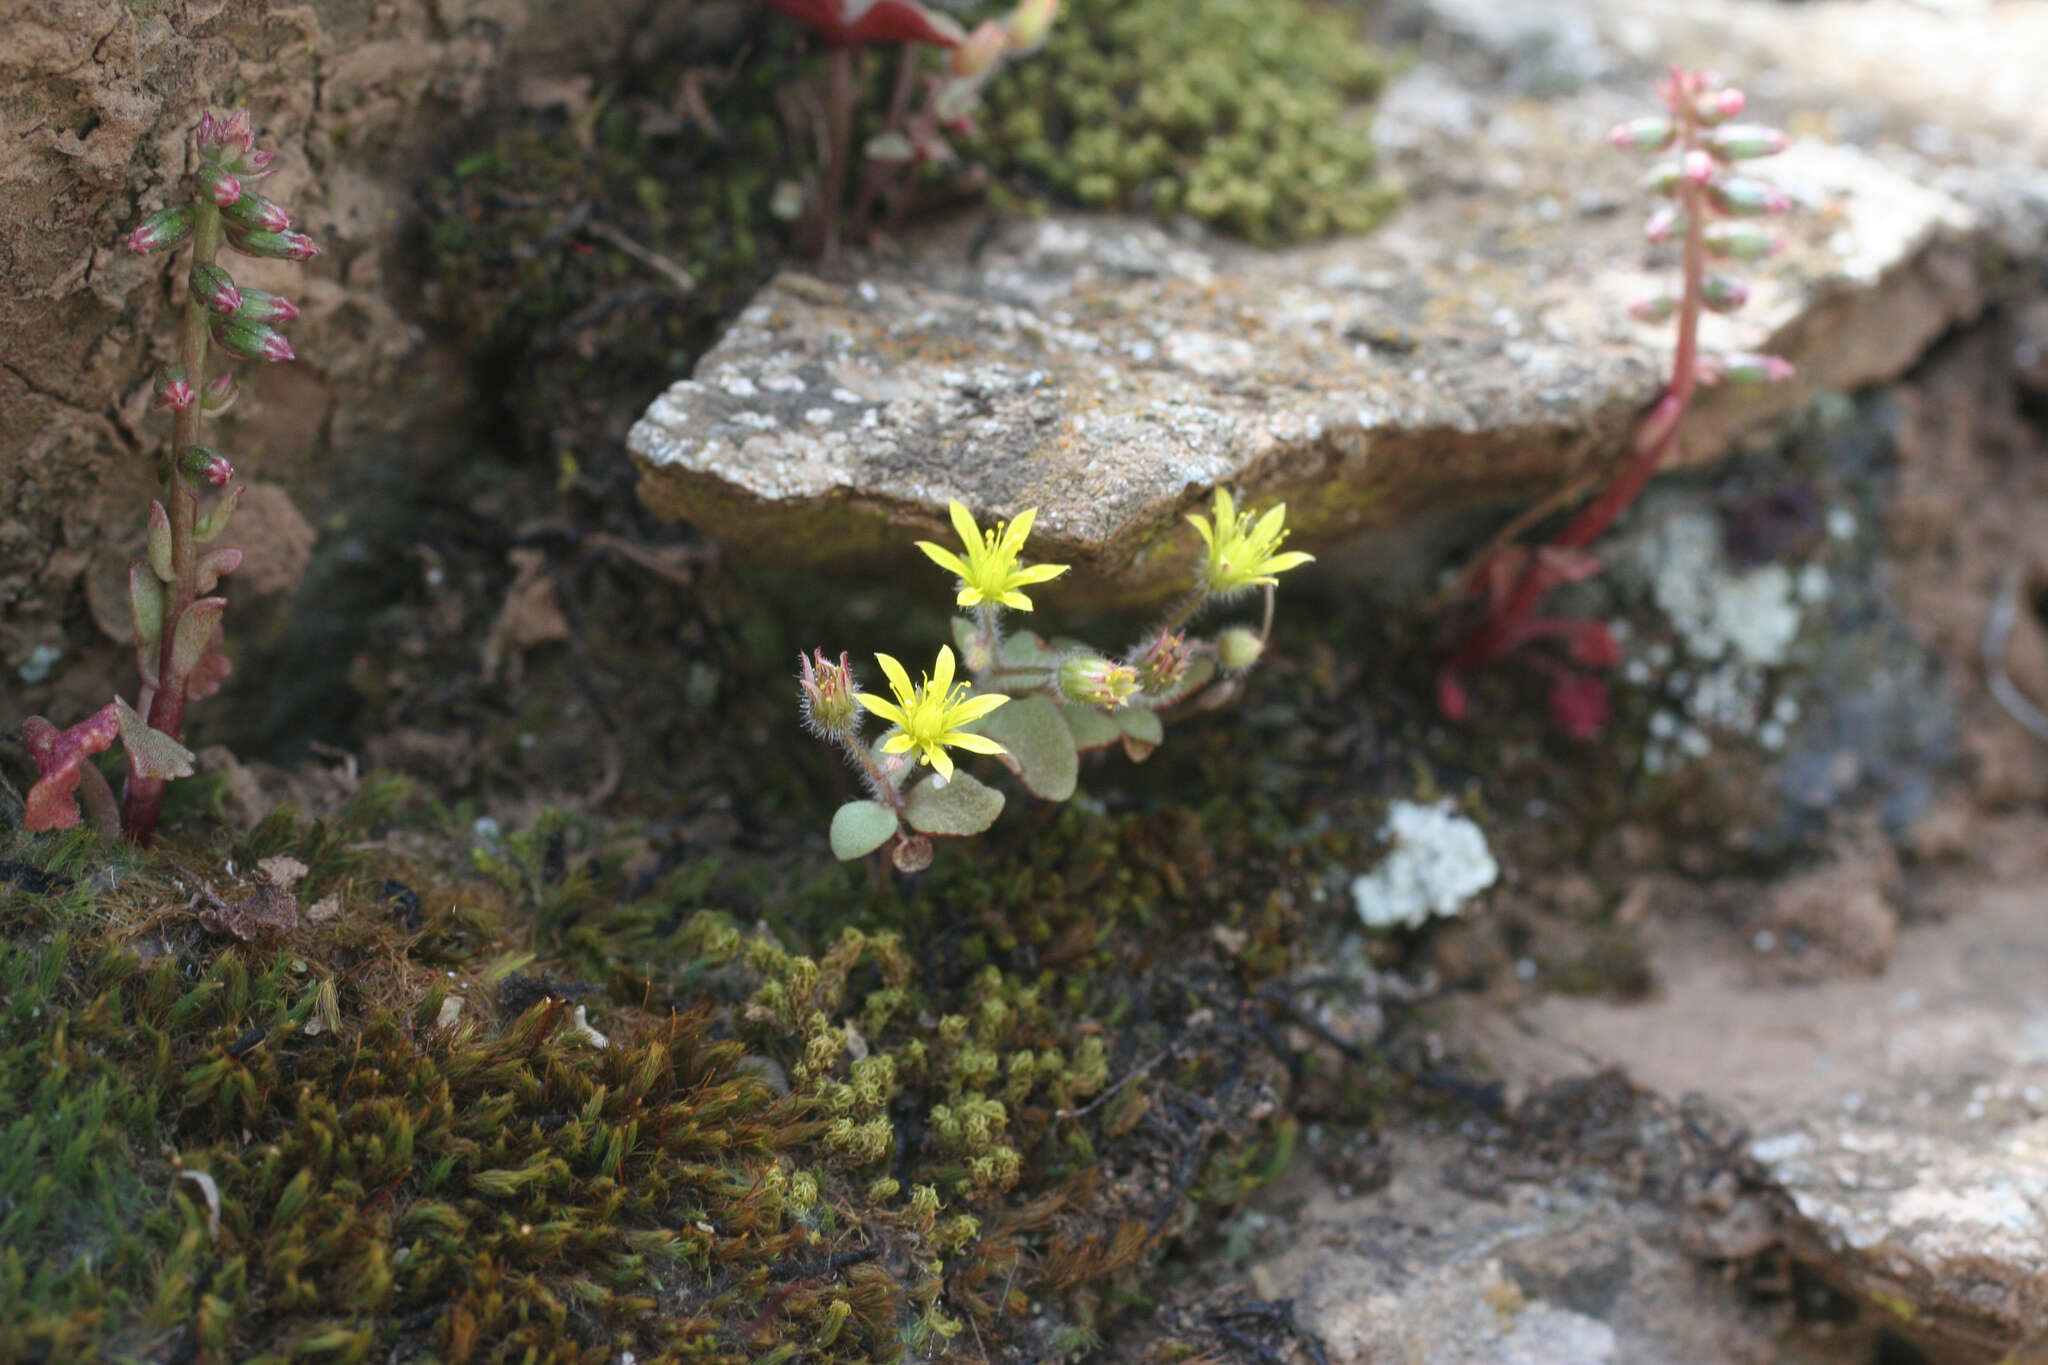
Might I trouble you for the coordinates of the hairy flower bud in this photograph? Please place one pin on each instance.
(229, 133)
(1090, 681)
(214, 287)
(825, 696)
(1741, 198)
(1163, 663)
(1656, 308)
(259, 305)
(172, 389)
(220, 184)
(1239, 648)
(1742, 241)
(251, 340)
(1652, 134)
(1664, 224)
(197, 462)
(1743, 141)
(165, 227)
(256, 213)
(282, 246)
(220, 395)
(1723, 293)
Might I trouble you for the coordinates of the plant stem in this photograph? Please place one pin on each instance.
(839, 121)
(145, 797)
(1654, 438)
(878, 781)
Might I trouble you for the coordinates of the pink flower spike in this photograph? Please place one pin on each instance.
(257, 163)
(165, 227)
(1663, 224)
(1697, 167)
(1651, 134)
(219, 185)
(229, 132)
(1721, 104)
(172, 389)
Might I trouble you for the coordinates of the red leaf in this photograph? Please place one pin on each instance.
(1451, 698)
(59, 754)
(849, 23)
(1579, 704)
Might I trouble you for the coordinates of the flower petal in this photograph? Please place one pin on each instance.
(942, 672)
(1267, 532)
(894, 715)
(899, 681)
(969, 597)
(1201, 525)
(1290, 559)
(898, 743)
(944, 558)
(1037, 573)
(1020, 528)
(963, 524)
(1226, 509)
(974, 708)
(978, 744)
(941, 761)
(1015, 600)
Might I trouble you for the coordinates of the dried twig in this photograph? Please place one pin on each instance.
(653, 260)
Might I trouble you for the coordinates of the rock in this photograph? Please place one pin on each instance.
(1902, 1120)
(1110, 373)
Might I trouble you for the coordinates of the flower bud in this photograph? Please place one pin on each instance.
(257, 163)
(220, 395)
(213, 287)
(1664, 224)
(219, 183)
(825, 696)
(260, 305)
(1239, 648)
(172, 389)
(165, 227)
(1723, 293)
(1657, 308)
(1163, 663)
(198, 462)
(1697, 167)
(281, 246)
(251, 340)
(1745, 368)
(256, 213)
(1741, 198)
(1086, 680)
(1652, 134)
(230, 133)
(1029, 23)
(1741, 141)
(1718, 105)
(1742, 241)
(1663, 177)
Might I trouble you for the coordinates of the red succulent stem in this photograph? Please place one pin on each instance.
(1658, 433)
(145, 797)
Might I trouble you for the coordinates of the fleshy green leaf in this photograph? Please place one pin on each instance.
(152, 754)
(1142, 732)
(215, 565)
(960, 807)
(1092, 729)
(216, 520)
(160, 543)
(1041, 747)
(1025, 650)
(194, 632)
(145, 604)
(861, 827)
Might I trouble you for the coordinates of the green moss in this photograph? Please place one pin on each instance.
(1251, 115)
(857, 1126)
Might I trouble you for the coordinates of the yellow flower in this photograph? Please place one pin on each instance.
(1241, 554)
(928, 717)
(990, 572)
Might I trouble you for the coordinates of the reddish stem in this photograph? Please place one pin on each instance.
(145, 797)
(1501, 631)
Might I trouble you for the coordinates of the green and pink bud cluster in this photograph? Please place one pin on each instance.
(171, 588)
(1709, 211)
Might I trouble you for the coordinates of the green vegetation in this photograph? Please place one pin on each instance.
(1251, 115)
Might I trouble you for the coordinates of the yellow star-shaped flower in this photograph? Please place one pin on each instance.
(990, 572)
(928, 717)
(1242, 554)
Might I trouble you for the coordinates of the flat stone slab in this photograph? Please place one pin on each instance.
(1902, 1117)
(1111, 373)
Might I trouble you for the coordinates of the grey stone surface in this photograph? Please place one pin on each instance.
(1111, 372)
(1902, 1117)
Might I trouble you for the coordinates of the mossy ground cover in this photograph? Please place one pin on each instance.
(951, 1119)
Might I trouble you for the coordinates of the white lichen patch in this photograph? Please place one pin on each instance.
(1439, 861)
(1719, 611)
